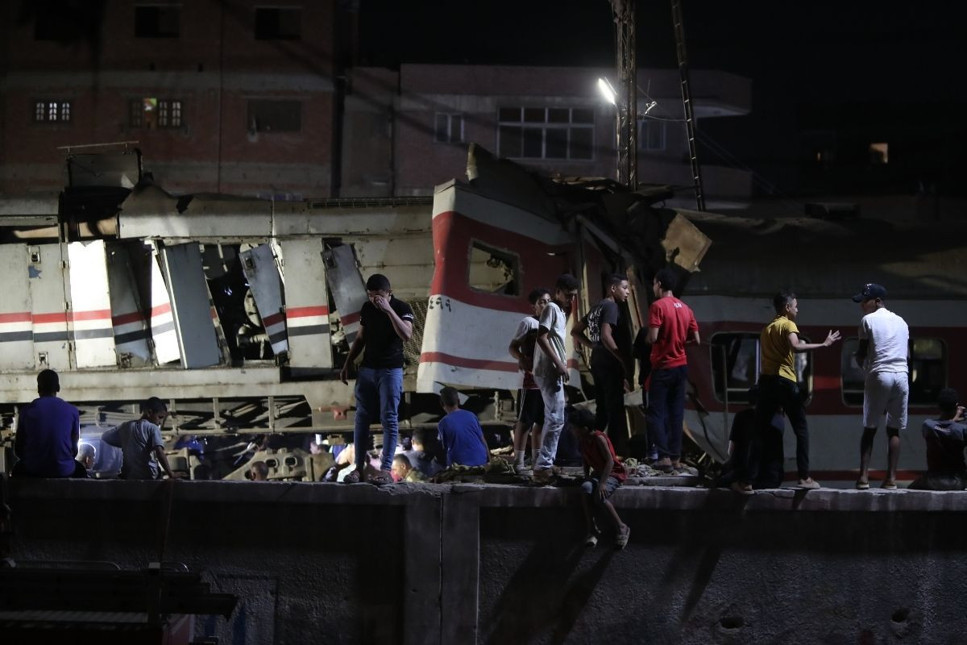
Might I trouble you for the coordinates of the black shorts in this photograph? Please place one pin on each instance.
(531, 408)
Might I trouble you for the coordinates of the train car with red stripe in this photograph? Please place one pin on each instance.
(239, 311)
(825, 262)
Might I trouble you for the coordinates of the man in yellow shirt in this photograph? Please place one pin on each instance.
(779, 389)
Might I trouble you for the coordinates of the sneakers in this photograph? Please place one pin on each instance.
(622, 540)
(862, 485)
(742, 488)
(380, 478)
(591, 540)
(808, 483)
(543, 477)
(888, 484)
(351, 478)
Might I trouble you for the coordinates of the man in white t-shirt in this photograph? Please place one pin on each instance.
(884, 339)
(550, 371)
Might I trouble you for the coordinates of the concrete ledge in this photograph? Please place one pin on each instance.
(465, 563)
(490, 495)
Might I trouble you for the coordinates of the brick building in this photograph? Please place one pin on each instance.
(243, 98)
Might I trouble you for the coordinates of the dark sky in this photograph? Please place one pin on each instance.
(879, 67)
(854, 49)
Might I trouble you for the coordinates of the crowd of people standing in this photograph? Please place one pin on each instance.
(48, 428)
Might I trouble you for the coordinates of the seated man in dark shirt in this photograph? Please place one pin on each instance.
(946, 439)
(460, 433)
(48, 430)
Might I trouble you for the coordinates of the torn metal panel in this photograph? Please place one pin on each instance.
(90, 314)
(131, 335)
(190, 305)
(16, 320)
(49, 306)
(684, 244)
(163, 333)
(347, 287)
(306, 303)
(262, 273)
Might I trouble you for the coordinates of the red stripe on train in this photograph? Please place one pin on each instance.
(303, 312)
(472, 363)
(20, 316)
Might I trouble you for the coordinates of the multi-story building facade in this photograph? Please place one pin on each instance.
(234, 96)
(246, 98)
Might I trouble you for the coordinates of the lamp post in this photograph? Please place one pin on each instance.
(625, 97)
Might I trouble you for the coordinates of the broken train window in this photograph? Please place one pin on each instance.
(493, 270)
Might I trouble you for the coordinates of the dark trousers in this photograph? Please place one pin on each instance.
(609, 397)
(776, 392)
(666, 410)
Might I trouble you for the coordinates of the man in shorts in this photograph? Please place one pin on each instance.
(884, 339)
(531, 416)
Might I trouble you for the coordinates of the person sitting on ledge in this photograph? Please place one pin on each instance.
(946, 439)
(603, 475)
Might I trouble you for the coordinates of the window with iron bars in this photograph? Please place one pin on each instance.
(52, 111)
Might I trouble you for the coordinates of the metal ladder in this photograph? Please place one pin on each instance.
(678, 21)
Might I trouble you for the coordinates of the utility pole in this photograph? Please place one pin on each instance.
(627, 90)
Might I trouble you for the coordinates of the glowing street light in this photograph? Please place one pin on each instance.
(607, 91)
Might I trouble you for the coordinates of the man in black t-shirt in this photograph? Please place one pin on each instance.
(385, 323)
(604, 331)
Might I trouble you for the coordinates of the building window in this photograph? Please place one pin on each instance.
(151, 113)
(274, 116)
(52, 111)
(879, 154)
(651, 135)
(448, 128)
(545, 133)
(735, 366)
(493, 270)
(928, 371)
(157, 21)
(278, 23)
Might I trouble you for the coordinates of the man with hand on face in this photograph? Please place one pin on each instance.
(385, 323)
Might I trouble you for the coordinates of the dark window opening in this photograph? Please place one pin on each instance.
(448, 128)
(275, 23)
(494, 270)
(157, 21)
(274, 116)
(151, 113)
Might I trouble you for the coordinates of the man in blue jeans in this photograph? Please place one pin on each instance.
(671, 324)
(385, 323)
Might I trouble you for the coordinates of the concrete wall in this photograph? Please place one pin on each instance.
(499, 564)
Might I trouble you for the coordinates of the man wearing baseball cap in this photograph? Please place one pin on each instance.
(884, 339)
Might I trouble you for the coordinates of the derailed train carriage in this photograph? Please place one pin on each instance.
(239, 311)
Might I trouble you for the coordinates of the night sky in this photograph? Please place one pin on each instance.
(888, 67)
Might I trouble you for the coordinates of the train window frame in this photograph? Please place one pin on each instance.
(919, 395)
(741, 394)
(511, 287)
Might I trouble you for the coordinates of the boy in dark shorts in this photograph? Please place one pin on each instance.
(531, 403)
(603, 474)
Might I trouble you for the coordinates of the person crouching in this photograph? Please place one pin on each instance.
(603, 475)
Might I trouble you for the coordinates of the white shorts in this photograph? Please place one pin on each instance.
(886, 392)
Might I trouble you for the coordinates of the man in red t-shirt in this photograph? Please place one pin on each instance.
(603, 474)
(671, 324)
